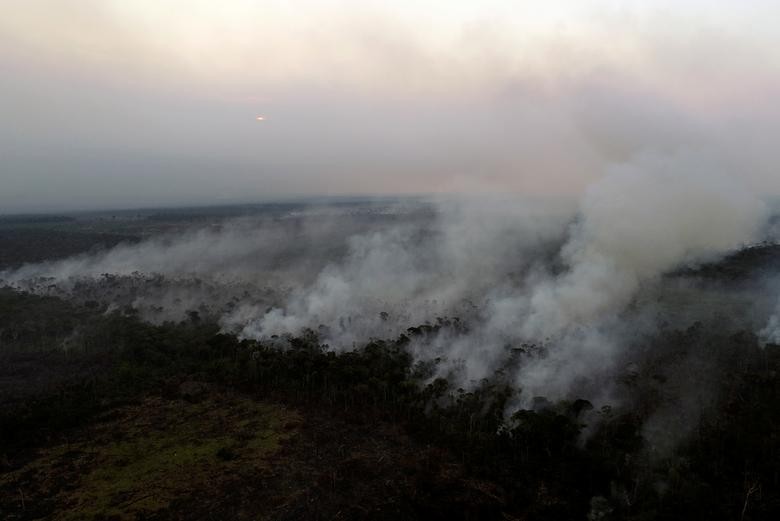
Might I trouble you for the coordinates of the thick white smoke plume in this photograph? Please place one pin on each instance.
(637, 223)
(547, 280)
(407, 275)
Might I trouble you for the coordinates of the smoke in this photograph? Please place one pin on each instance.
(551, 293)
(563, 289)
(216, 268)
(770, 334)
(411, 274)
(641, 221)
(636, 224)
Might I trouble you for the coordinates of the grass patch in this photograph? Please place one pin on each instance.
(144, 457)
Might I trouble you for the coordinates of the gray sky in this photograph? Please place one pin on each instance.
(108, 103)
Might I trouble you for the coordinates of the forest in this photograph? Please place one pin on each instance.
(557, 460)
(371, 260)
(132, 389)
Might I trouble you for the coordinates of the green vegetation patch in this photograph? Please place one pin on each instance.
(137, 460)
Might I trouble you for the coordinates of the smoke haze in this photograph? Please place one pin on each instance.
(494, 259)
(128, 104)
(568, 285)
(575, 161)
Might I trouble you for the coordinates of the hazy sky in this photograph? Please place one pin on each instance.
(107, 103)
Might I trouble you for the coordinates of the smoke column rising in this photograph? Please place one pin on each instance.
(516, 271)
